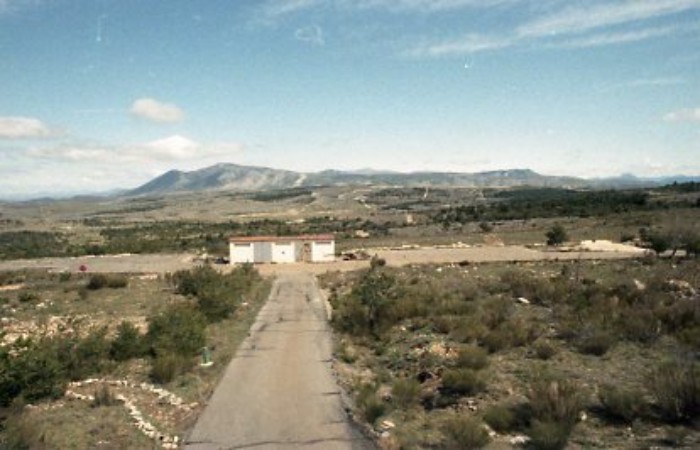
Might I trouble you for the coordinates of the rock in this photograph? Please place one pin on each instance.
(520, 439)
(523, 300)
(639, 285)
(387, 425)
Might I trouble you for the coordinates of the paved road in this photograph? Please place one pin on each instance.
(279, 392)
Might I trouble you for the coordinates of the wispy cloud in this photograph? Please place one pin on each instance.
(572, 27)
(274, 9)
(165, 150)
(422, 5)
(23, 128)
(10, 6)
(644, 83)
(471, 43)
(684, 115)
(622, 37)
(312, 34)
(577, 19)
(157, 111)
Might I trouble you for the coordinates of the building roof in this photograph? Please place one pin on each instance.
(302, 237)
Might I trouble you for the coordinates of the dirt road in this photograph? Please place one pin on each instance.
(279, 391)
(161, 263)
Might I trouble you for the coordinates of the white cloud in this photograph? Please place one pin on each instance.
(312, 34)
(10, 6)
(471, 43)
(684, 115)
(422, 5)
(156, 111)
(23, 127)
(169, 149)
(623, 37)
(275, 9)
(577, 19)
(173, 147)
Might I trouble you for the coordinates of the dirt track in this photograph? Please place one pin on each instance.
(162, 263)
(279, 391)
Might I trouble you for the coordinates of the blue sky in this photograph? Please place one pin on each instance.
(103, 94)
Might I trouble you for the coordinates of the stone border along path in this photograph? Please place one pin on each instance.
(144, 426)
(279, 391)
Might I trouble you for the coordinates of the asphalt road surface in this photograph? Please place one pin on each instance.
(279, 391)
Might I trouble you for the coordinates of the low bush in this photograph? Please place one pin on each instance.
(620, 404)
(595, 342)
(371, 407)
(465, 433)
(675, 385)
(549, 435)
(555, 399)
(472, 357)
(82, 357)
(500, 417)
(218, 295)
(179, 330)
(405, 392)
(462, 382)
(166, 366)
(128, 343)
(27, 297)
(112, 281)
(103, 396)
(544, 350)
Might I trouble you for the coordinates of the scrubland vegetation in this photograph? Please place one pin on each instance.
(596, 354)
(63, 328)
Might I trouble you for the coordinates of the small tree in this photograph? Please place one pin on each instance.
(556, 235)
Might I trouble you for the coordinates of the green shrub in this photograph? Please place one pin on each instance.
(555, 399)
(462, 382)
(103, 397)
(500, 417)
(217, 294)
(472, 357)
(675, 386)
(128, 343)
(166, 366)
(465, 433)
(549, 435)
(595, 342)
(556, 235)
(371, 407)
(83, 357)
(27, 297)
(179, 330)
(100, 281)
(620, 404)
(405, 392)
(36, 372)
(544, 350)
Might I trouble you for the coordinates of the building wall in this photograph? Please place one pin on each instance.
(283, 252)
(241, 253)
(262, 252)
(322, 251)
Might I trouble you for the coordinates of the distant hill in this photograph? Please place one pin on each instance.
(247, 178)
(220, 177)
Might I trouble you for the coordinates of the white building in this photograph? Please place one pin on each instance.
(282, 249)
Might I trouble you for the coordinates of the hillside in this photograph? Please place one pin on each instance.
(247, 178)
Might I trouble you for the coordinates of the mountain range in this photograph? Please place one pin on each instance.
(233, 177)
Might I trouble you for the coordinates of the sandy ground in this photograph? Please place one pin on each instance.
(279, 391)
(162, 263)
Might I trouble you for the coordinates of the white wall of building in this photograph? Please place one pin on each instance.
(322, 251)
(241, 252)
(283, 252)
